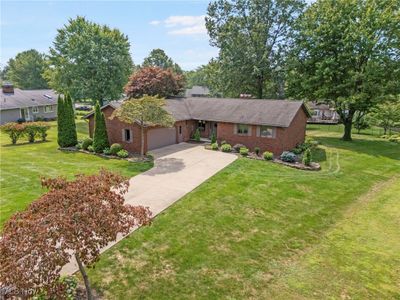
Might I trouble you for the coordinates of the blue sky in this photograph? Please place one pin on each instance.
(175, 26)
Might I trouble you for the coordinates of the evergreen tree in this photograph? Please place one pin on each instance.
(100, 138)
(72, 138)
(61, 140)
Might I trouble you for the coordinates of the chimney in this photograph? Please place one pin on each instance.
(8, 88)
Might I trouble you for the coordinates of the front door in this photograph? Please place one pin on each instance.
(213, 128)
(25, 114)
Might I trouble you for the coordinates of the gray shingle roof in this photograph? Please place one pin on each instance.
(27, 98)
(279, 113)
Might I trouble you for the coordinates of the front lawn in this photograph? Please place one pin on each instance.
(24, 163)
(261, 230)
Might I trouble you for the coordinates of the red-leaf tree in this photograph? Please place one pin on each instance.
(154, 81)
(73, 219)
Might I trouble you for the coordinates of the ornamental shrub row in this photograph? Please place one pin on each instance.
(32, 130)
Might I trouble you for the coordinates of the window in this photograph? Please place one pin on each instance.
(35, 109)
(180, 129)
(242, 129)
(266, 131)
(48, 108)
(127, 135)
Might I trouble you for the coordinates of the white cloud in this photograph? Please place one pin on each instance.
(184, 25)
(155, 22)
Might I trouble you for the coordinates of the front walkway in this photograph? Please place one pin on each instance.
(178, 170)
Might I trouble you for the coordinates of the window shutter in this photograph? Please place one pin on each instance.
(235, 129)
(123, 134)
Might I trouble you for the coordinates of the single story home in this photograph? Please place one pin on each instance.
(273, 125)
(322, 113)
(28, 105)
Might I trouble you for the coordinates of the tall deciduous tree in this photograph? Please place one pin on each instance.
(89, 61)
(146, 112)
(387, 115)
(154, 81)
(100, 137)
(26, 70)
(252, 36)
(347, 52)
(158, 58)
(73, 219)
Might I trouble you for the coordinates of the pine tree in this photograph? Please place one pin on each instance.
(100, 138)
(61, 140)
(72, 138)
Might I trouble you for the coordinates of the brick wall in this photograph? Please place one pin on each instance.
(285, 138)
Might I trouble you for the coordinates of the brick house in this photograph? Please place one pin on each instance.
(273, 125)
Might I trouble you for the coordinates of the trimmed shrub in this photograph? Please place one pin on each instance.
(226, 148)
(42, 129)
(107, 151)
(214, 146)
(78, 146)
(307, 157)
(257, 150)
(223, 142)
(288, 156)
(90, 148)
(238, 146)
(14, 130)
(244, 151)
(196, 135)
(115, 148)
(213, 138)
(268, 155)
(298, 150)
(86, 143)
(31, 131)
(122, 153)
(100, 138)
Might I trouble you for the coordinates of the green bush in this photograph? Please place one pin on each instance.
(78, 146)
(288, 156)
(86, 143)
(107, 151)
(298, 149)
(213, 138)
(14, 130)
(268, 155)
(244, 151)
(226, 148)
(90, 148)
(66, 127)
(307, 157)
(123, 153)
(41, 130)
(257, 150)
(115, 148)
(223, 142)
(214, 146)
(196, 135)
(71, 285)
(237, 147)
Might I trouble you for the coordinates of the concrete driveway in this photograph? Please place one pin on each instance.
(178, 169)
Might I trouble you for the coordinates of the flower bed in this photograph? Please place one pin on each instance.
(297, 164)
(131, 157)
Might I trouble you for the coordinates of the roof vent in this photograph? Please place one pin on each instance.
(48, 96)
(33, 99)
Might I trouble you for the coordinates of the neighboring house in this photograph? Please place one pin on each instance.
(28, 105)
(197, 91)
(273, 125)
(322, 113)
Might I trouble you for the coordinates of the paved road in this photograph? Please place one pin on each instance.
(178, 170)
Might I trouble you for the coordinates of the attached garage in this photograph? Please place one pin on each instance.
(160, 137)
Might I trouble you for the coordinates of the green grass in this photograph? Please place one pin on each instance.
(261, 230)
(24, 163)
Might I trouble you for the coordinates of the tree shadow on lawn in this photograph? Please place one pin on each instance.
(365, 146)
(26, 143)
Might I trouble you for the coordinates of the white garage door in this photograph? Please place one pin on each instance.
(160, 137)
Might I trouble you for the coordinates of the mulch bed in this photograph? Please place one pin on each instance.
(130, 158)
(296, 165)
